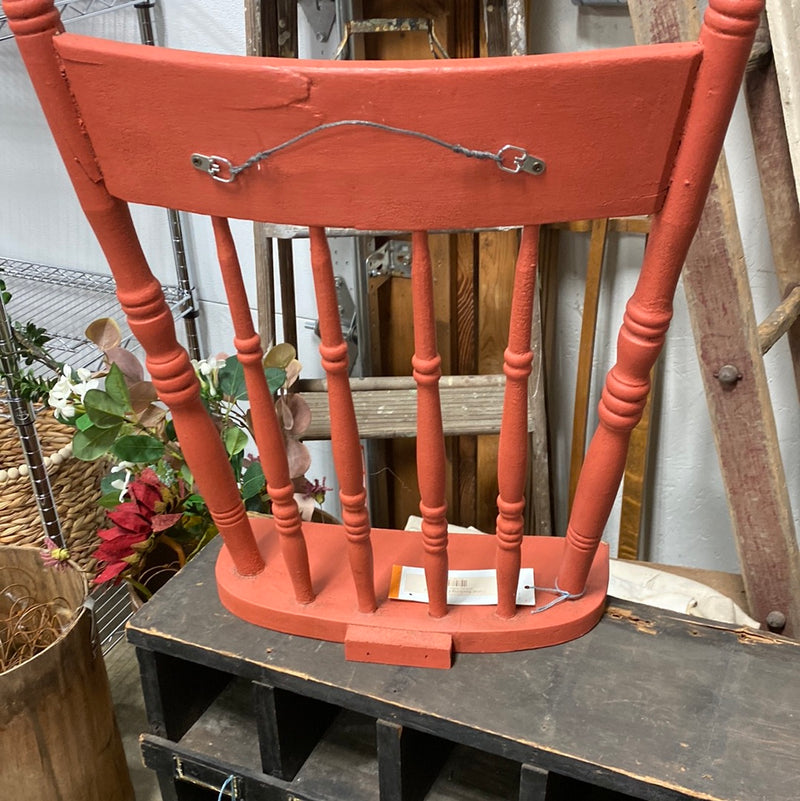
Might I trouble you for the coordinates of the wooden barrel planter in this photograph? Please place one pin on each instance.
(58, 734)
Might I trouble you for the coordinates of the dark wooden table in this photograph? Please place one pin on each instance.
(649, 705)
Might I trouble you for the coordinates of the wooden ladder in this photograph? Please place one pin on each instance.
(731, 345)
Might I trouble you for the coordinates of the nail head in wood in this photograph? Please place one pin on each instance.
(776, 621)
(728, 375)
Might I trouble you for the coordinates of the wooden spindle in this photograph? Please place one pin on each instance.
(726, 38)
(512, 453)
(266, 428)
(344, 429)
(431, 463)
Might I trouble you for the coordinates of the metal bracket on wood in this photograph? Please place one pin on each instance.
(405, 24)
(348, 317)
(391, 259)
(321, 15)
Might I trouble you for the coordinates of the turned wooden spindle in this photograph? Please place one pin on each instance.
(266, 428)
(512, 453)
(344, 429)
(431, 462)
(726, 37)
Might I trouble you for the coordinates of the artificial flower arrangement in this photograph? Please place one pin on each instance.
(157, 519)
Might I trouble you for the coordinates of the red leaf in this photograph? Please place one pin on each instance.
(110, 572)
(130, 519)
(146, 494)
(115, 548)
(163, 522)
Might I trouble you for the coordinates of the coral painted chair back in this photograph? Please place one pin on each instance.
(415, 146)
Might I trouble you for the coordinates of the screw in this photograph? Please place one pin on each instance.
(776, 621)
(728, 375)
(320, 37)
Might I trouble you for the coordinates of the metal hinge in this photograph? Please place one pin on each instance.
(392, 259)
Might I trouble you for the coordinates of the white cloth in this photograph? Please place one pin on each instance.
(646, 585)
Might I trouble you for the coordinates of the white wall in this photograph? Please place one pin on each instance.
(688, 519)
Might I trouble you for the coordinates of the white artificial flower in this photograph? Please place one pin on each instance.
(81, 388)
(208, 368)
(121, 484)
(62, 409)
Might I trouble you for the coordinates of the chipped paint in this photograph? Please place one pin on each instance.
(642, 625)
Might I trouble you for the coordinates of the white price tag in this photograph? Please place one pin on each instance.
(464, 587)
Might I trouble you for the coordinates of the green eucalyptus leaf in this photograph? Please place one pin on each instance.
(93, 442)
(276, 378)
(235, 440)
(252, 481)
(108, 479)
(231, 379)
(194, 503)
(102, 409)
(138, 448)
(110, 500)
(82, 422)
(117, 388)
(186, 475)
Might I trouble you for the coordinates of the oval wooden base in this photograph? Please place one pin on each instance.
(402, 632)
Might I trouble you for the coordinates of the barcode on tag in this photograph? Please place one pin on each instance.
(464, 587)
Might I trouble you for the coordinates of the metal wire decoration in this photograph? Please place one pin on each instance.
(27, 625)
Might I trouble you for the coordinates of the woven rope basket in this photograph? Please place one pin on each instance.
(75, 484)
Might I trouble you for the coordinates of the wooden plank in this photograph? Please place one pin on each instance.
(465, 500)
(497, 256)
(633, 484)
(271, 30)
(777, 185)
(780, 320)
(583, 381)
(289, 725)
(262, 245)
(784, 22)
(724, 325)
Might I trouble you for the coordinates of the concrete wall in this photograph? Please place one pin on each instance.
(687, 518)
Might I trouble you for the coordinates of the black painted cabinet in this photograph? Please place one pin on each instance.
(648, 705)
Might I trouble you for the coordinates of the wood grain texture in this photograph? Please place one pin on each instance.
(777, 186)
(709, 727)
(725, 333)
(633, 484)
(57, 725)
(724, 325)
(240, 99)
(780, 320)
(727, 36)
(583, 381)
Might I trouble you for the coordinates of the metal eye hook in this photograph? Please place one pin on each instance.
(218, 167)
(521, 161)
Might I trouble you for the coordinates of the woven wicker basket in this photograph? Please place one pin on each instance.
(76, 488)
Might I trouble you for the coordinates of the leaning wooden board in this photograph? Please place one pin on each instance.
(694, 710)
(721, 310)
